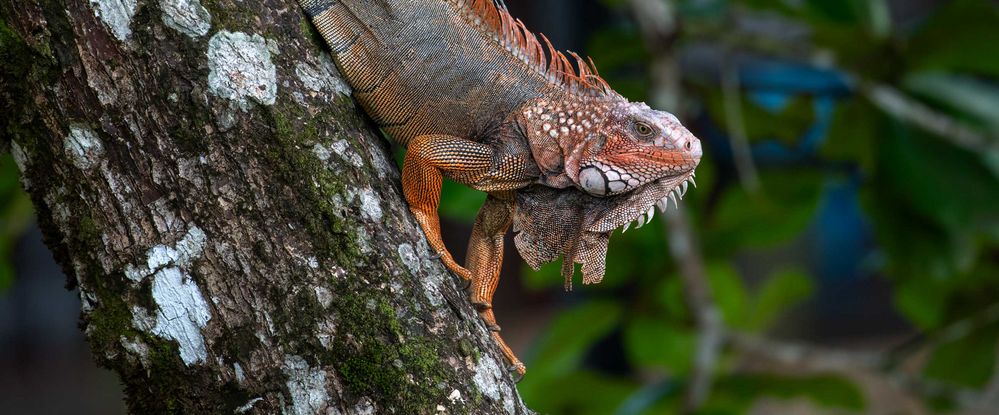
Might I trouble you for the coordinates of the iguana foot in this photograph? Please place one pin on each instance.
(519, 372)
(486, 313)
(515, 363)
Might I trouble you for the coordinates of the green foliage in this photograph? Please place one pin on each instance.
(932, 205)
(969, 98)
(557, 359)
(15, 215)
(786, 288)
(655, 343)
(570, 335)
(967, 361)
(756, 311)
(961, 36)
(785, 124)
(745, 219)
(736, 393)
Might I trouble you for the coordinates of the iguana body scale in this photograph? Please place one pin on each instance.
(474, 96)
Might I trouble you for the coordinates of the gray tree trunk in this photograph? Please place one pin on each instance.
(235, 228)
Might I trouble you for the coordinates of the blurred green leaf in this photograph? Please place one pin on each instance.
(854, 134)
(728, 292)
(932, 205)
(938, 181)
(782, 211)
(922, 301)
(734, 394)
(580, 392)
(567, 340)
(970, 97)
(655, 343)
(548, 276)
(671, 298)
(968, 361)
(784, 289)
(786, 124)
(838, 11)
(460, 202)
(15, 216)
(961, 36)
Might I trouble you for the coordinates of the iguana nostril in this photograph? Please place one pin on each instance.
(688, 145)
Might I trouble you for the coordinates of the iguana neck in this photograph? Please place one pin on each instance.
(561, 131)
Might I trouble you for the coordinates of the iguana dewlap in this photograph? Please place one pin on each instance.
(474, 96)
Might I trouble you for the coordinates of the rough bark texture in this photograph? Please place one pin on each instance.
(234, 226)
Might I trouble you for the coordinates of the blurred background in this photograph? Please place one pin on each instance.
(840, 254)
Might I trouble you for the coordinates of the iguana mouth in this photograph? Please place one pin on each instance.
(638, 207)
(675, 195)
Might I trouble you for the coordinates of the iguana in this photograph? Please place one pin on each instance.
(475, 96)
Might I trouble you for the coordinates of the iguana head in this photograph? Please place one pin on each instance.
(629, 145)
(625, 159)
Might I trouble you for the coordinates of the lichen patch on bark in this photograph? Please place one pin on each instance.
(117, 15)
(322, 152)
(342, 149)
(307, 386)
(409, 257)
(21, 160)
(489, 379)
(83, 147)
(186, 16)
(240, 69)
(182, 254)
(137, 348)
(141, 320)
(248, 406)
(182, 313)
(371, 207)
(322, 77)
(365, 407)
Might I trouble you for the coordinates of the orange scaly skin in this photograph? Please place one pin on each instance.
(474, 96)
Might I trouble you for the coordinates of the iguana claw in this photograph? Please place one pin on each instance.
(518, 370)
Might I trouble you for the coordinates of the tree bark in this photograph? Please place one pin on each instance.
(235, 227)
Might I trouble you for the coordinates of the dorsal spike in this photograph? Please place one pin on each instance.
(593, 67)
(492, 16)
(584, 70)
(552, 56)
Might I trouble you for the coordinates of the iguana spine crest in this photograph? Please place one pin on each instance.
(510, 32)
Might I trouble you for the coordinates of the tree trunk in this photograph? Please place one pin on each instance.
(235, 228)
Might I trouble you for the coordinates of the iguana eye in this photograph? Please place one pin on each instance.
(644, 130)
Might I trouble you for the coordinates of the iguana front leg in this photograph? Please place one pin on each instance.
(428, 158)
(485, 258)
